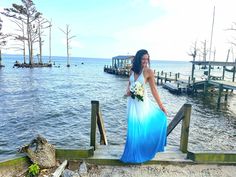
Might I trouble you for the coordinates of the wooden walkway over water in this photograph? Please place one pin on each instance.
(175, 84)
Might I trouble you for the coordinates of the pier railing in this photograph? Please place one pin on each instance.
(183, 114)
(97, 120)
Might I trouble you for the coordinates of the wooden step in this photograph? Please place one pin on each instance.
(110, 155)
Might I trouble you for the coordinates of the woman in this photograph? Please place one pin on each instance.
(147, 123)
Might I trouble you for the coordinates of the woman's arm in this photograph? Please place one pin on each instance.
(128, 87)
(128, 90)
(151, 80)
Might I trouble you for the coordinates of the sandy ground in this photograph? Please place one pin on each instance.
(162, 171)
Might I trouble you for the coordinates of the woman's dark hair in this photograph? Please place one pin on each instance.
(137, 61)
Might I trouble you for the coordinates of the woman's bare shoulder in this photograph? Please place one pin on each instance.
(148, 71)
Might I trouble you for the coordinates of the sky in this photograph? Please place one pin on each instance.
(168, 29)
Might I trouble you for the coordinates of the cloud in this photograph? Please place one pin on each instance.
(171, 36)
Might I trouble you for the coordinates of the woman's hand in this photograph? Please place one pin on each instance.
(127, 93)
(163, 109)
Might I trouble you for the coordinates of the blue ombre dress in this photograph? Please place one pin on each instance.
(146, 131)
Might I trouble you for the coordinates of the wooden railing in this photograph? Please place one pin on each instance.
(183, 114)
(97, 120)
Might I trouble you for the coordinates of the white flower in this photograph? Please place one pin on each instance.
(137, 90)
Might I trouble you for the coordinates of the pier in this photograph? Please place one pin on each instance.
(101, 153)
(175, 84)
(121, 65)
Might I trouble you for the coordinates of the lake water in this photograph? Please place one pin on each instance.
(56, 103)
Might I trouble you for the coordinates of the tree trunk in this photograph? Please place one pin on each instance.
(50, 32)
(40, 50)
(24, 55)
(0, 57)
(40, 44)
(67, 44)
(31, 53)
(23, 34)
(29, 41)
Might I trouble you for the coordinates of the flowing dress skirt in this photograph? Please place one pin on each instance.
(146, 131)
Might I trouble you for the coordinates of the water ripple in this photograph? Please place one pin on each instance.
(56, 102)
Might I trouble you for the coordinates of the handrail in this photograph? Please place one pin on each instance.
(183, 114)
(97, 120)
(175, 121)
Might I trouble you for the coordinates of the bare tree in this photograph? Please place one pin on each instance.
(68, 40)
(193, 51)
(42, 24)
(19, 36)
(28, 14)
(233, 28)
(2, 42)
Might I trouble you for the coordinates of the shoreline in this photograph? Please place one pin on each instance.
(164, 170)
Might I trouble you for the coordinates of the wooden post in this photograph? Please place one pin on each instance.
(165, 77)
(176, 76)
(226, 94)
(233, 74)
(205, 87)
(185, 128)
(170, 74)
(188, 80)
(209, 72)
(194, 88)
(94, 111)
(219, 95)
(193, 67)
(158, 78)
(223, 75)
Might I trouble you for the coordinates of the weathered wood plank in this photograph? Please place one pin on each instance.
(110, 155)
(60, 169)
(185, 128)
(214, 63)
(178, 117)
(14, 167)
(94, 110)
(71, 154)
(217, 157)
(101, 128)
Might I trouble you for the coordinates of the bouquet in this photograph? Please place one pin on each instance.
(137, 90)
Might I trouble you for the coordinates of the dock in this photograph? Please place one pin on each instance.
(176, 84)
(121, 65)
(104, 154)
